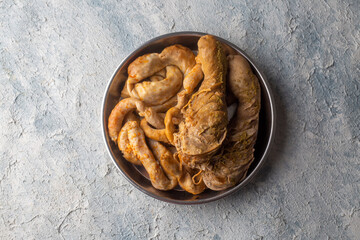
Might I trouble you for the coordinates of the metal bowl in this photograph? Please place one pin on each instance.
(136, 175)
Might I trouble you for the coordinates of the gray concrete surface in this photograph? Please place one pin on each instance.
(56, 179)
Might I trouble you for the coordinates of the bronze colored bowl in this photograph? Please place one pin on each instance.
(137, 175)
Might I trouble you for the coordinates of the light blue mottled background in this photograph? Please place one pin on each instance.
(56, 179)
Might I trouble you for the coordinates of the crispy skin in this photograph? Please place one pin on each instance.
(230, 167)
(205, 116)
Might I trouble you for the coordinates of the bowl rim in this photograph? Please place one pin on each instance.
(264, 155)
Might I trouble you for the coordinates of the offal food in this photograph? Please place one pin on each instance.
(173, 119)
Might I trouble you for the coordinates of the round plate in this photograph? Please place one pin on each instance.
(135, 175)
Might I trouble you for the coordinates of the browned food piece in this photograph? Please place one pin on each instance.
(231, 166)
(154, 118)
(118, 113)
(166, 159)
(157, 176)
(177, 59)
(144, 67)
(169, 124)
(124, 144)
(159, 91)
(166, 105)
(155, 134)
(124, 92)
(172, 169)
(191, 182)
(209, 152)
(179, 56)
(193, 78)
(205, 116)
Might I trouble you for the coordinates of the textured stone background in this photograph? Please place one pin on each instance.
(56, 179)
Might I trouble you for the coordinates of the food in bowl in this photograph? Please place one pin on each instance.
(173, 117)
